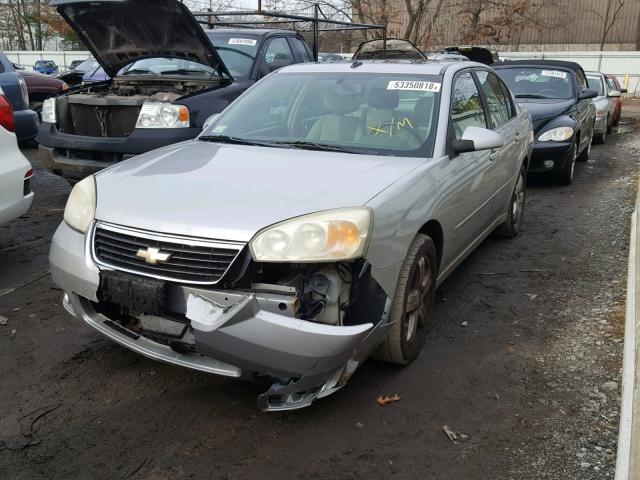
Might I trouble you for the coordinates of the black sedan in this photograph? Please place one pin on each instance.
(558, 97)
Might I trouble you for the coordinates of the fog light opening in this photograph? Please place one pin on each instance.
(548, 163)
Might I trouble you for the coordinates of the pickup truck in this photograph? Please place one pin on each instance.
(162, 84)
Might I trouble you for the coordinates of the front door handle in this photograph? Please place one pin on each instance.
(493, 155)
(518, 135)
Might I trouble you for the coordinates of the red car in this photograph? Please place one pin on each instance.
(615, 85)
(40, 86)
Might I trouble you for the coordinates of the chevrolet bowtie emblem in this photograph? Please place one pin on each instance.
(153, 256)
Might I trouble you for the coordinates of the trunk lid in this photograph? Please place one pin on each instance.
(119, 32)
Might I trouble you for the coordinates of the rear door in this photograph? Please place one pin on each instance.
(473, 173)
(586, 112)
(502, 118)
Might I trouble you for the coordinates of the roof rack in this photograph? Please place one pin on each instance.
(213, 20)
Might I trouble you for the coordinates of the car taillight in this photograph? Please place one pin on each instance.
(6, 114)
(27, 183)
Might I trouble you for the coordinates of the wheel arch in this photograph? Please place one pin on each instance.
(433, 229)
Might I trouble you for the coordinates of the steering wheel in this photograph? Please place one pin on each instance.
(548, 91)
(415, 134)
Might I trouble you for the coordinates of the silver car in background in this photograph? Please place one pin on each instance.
(605, 104)
(306, 229)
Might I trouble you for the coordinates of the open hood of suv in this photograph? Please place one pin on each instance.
(119, 32)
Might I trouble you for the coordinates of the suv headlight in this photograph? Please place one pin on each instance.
(318, 237)
(49, 110)
(162, 115)
(556, 135)
(81, 205)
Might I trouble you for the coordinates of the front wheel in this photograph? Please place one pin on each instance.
(565, 176)
(413, 307)
(515, 212)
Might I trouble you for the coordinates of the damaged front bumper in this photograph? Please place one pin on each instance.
(244, 334)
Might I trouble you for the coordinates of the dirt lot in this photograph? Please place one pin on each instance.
(527, 345)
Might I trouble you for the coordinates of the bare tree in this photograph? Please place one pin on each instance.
(612, 9)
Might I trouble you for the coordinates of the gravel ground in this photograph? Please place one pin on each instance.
(524, 360)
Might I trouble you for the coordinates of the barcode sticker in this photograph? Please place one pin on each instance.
(414, 85)
(554, 73)
(242, 41)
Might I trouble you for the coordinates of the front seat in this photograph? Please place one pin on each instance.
(338, 126)
(381, 112)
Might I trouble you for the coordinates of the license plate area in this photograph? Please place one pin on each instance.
(133, 293)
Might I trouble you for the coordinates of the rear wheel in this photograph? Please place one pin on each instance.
(601, 137)
(515, 213)
(565, 176)
(413, 307)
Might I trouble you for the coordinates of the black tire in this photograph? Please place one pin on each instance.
(565, 176)
(512, 226)
(416, 288)
(586, 151)
(601, 137)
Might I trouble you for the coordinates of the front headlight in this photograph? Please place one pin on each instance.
(49, 110)
(162, 115)
(81, 205)
(556, 135)
(318, 237)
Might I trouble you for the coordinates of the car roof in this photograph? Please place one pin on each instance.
(594, 74)
(257, 32)
(424, 67)
(541, 63)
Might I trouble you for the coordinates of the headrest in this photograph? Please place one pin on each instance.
(342, 99)
(383, 98)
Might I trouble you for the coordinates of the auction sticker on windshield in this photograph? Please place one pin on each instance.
(553, 73)
(414, 85)
(242, 41)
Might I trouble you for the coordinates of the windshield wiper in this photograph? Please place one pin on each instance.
(235, 140)
(532, 95)
(184, 71)
(305, 144)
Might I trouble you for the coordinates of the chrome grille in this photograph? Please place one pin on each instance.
(192, 260)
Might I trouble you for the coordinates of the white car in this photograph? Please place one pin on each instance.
(15, 170)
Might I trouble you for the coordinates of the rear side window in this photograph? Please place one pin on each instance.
(497, 102)
(300, 49)
(466, 106)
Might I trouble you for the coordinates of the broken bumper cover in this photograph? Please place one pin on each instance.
(252, 339)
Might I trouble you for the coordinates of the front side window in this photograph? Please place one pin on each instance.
(466, 106)
(497, 103)
(596, 84)
(278, 55)
(538, 82)
(390, 114)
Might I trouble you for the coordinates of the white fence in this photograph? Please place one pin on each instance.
(62, 59)
(624, 65)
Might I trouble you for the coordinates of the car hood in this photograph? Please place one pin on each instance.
(35, 79)
(230, 192)
(118, 32)
(543, 110)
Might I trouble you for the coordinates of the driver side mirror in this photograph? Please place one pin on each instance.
(475, 139)
(615, 94)
(587, 93)
(210, 120)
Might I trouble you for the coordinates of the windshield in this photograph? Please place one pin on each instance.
(167, 66)
(41, 63)
(596, 84)
(535, 82)
(89, 65)
(238, 51)
(391, 114)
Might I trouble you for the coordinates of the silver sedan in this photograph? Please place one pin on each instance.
(605, 104)
(306, 229)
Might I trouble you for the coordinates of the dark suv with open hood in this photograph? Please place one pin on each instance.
(558, 96)
(167, 77)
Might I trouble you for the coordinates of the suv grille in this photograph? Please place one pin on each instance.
(191, 260)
